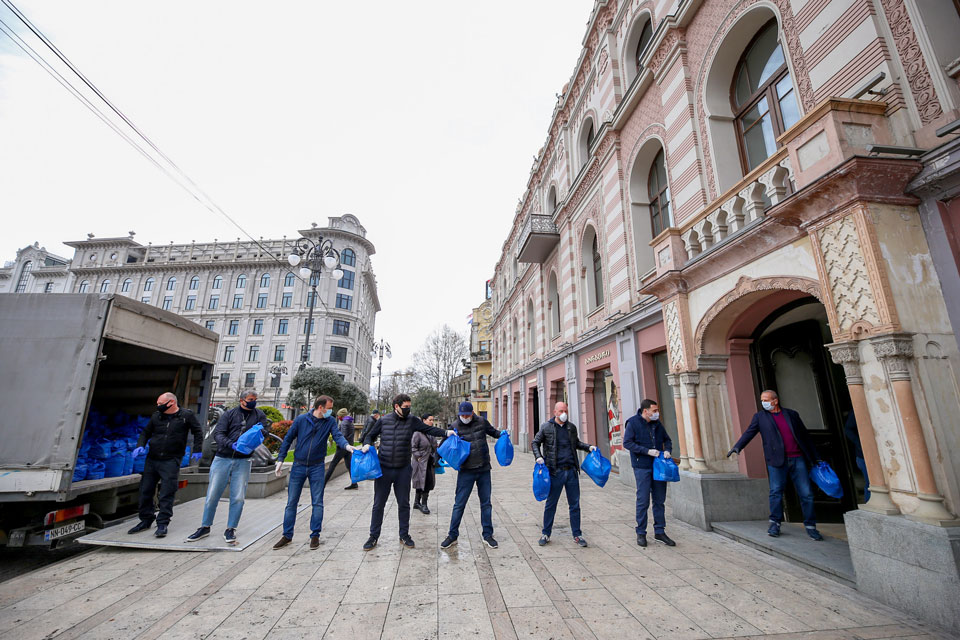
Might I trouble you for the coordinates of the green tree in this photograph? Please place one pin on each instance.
(427, 400)
(273, 414)
(317, 381)
(353, 398)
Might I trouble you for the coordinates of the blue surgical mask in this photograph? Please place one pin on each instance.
(767, 406)
(328, 413)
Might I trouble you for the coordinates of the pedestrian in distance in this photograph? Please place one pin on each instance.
(371, 420)
(230, 466)
(645, 438)
(789, 452)
(346, 429)
(424, 453)
(556, 445)
(395, 431)
(164, 440)
(475, 470)
(310, 430)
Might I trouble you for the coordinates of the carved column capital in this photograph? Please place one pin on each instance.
(690, 382)
(894, 350)
(673, 379)
(847, 353)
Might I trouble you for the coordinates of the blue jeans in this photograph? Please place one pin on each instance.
(862, 465)
(236, 471)
(796, 469)
(465, 482)
(647, 487)
(561, 479)
(298, 476)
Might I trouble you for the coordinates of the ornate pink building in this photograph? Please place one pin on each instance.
(721, 207)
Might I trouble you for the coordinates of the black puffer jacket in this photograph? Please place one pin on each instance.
(395, 434)
(475, 432)
(167, 434)
(231, 426)
(547, 436)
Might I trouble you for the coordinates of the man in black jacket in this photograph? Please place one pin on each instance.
(788, 451)
(230, 466)
(475, 470)
(560, 441)
(395, 431)
(372, 420)
(166, 437)
(346, 430)
(645, 438)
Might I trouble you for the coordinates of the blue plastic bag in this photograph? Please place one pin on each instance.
(100, 449)
(128, 462)
(250, 439)
(454, 450)
(597, 467)
(826, 478)
(441, 467)
(504, 449)
(665, 469)
(185, 460)
(80, 470)
(113, 466)
(541, 482)
(95, 470)
(138, 462)
(364, 466)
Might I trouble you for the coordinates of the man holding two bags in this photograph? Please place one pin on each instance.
(645, 438)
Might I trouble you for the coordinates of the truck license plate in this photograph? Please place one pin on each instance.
(65, 530)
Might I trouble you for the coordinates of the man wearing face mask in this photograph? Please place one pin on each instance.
(395, 431)
(559, 440)
(166, 437)
(645, 437)
(475, 470)
(230, 466)
(788, 451)
(311, 431)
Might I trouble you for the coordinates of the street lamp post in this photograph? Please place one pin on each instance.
(314, 257)
(380, 348)
(275, 372)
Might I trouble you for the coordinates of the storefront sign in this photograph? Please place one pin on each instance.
(598, 356)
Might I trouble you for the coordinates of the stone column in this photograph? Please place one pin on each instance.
(690, 382)
(848, 355)
(895, 351)
(673, 379)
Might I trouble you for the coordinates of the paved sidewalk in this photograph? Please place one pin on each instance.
(706, 587)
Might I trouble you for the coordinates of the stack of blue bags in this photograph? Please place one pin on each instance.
(108, 444)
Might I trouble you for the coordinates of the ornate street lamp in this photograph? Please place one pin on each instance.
(380, 348)
(313, 257)
(275, 372)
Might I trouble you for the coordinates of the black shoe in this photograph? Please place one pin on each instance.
(813, 533)
(424, 509)
(543, 540)
(282, 542)
(161, 531)
(353, 486)
(642, 539)
(143, 525)
(370, 543)
(416, 505)
(491, 542)
(580, 541)
(774, 529)
(448, 542)
(230, 536)
(663, 538)
(407, 541)
(202, 532)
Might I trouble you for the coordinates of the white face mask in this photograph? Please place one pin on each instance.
(768, 406)
(466, 419)
(654, 416)
(562, 417)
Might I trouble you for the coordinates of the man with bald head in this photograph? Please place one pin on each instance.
(165, 441)
(555, 445)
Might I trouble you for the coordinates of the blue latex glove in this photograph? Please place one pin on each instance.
(234, 446)
(139, 451)
(195, 457)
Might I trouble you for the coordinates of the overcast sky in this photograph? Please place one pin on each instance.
(420, 118)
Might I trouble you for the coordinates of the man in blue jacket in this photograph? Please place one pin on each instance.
(788, 451)
(311, 431)
(645, 438)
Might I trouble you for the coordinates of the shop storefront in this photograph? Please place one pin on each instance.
(600, 401)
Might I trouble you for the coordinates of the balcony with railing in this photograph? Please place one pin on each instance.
(538, 237)
(480, 356)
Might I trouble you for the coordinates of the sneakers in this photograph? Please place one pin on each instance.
(353, 486)
(282, 542)
(143, 525)
(580, 541)
(543, 540)
(370, 543)
(407, 541)
(448, 542)
(199, 534)
(161, 531)
(774, 529)
(230, 536)
(642, 539)
(314, 543)
(491, 542)
(814, 534)
(664, 539)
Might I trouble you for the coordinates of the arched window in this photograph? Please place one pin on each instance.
(587, 134)
(348, 258)
(84, 287)
(288, 279)
(24, 276)
(764, 102)
(105, 286)
(148, 284)
(531, 328)
(125, 287)
(265, 281)
(597, 274)
(241, 281)
(194, 283)
(646, 32)
(659, 194)
(218, 282)
(592, 270)
(552, 201)
(553, 296)
(171, 283)
(482, 382)
(516, 342)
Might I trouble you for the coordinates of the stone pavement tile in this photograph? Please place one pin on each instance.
(713, 618)
(64, 592)
(463, 616)
(597, 561)
(68, 614)
(659, 617)
(252, 620)
(888, 631)
(357, 622)
(417, 568)
(539, 622)
(286, 582)
(315, 606)
(605, 616)
(412, 613)
(373, 582)
(254, 575)
(458, 578)
(209, 615)
(294, 633)
(570, 574)
(208, 567)
(502, 626)
(133, 620)
(579, 628)
(519, 585)
(820, 590)
(729, 568)
(807, 611)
